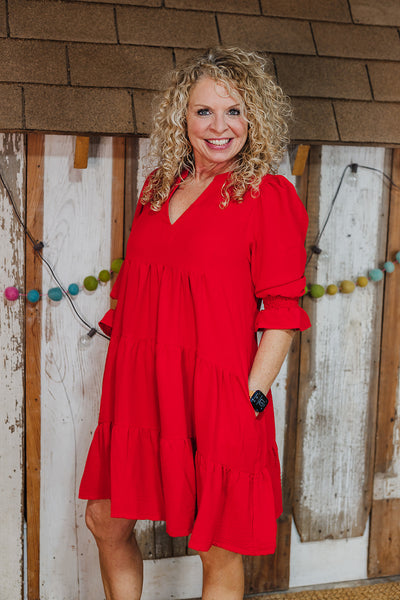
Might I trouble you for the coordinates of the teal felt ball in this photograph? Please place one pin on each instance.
(398, 256)
(388, 266)
(73, 289)
(55, 294)
(33, 296)
(376, 274)
(90, 283)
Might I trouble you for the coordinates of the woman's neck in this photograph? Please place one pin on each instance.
(205, 172)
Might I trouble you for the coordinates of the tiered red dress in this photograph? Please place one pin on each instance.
(178, 439)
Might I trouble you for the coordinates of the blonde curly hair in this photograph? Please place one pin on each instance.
(244, 73)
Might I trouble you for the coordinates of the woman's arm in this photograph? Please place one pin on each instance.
(271, 353)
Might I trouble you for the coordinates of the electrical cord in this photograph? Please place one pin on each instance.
(353, 167)
(38, 246)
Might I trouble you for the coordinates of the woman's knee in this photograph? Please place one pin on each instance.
(217, 557)
(104, 527)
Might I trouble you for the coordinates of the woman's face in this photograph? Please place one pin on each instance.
(216, 126)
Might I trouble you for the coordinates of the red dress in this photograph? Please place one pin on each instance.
(178, 439)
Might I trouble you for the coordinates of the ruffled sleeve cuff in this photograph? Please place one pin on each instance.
(106, 322)
(282, 313)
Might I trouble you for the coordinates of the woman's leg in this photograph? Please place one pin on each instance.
(223, 574)
(121, 562)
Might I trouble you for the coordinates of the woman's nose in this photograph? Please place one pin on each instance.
(219, 123)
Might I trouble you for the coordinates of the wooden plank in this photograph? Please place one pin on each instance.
(33, 280)
(266, 573)
(12, 315)
(81, 152)
(131, 184)
(77, 231)
(300, 160)
(384, 558)
(338, 379)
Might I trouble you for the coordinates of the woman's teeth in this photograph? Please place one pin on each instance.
(219, 142)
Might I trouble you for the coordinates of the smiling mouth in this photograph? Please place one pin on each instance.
(219, 143)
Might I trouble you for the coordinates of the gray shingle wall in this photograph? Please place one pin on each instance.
(97, 65)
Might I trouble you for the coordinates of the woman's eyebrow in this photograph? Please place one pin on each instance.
(206, 105)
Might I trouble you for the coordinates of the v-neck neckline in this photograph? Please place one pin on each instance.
(183, 176)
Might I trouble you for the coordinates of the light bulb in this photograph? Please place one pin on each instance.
(352, 177)
(86, 340)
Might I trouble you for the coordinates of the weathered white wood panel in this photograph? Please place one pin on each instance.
(12, 166)
(327, 561)
(77, 233)
(338, 394)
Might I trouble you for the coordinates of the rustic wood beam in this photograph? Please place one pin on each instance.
(33, 279)
(298, 159)
(81, 152)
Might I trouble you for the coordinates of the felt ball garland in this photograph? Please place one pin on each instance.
(90, 283)
(348, 286)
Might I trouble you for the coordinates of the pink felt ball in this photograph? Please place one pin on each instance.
(11, 293)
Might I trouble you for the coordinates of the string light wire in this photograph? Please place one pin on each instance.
(38, 246)
(353, 167)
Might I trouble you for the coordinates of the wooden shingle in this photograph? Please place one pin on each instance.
(266, 34)
(160, 27)
(75, 21)
(85, 110)
(102, 65)
(334, 10)
(323, 77)
(357, 41)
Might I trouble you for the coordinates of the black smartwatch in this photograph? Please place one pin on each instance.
(258, 400)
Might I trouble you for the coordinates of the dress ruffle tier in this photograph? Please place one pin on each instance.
(177, 438)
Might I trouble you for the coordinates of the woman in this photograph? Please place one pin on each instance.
(186, 429)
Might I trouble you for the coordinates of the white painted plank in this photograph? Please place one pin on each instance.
(77, 232)
(333, 450)
(12, 166)
(327, 561)
(168, 578)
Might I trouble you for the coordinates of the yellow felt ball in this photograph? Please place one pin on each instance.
(362, 281)
(347, 287)
(332, 289)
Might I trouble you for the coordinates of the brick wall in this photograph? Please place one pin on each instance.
(95, 66)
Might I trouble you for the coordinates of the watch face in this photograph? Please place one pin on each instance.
(259, 401)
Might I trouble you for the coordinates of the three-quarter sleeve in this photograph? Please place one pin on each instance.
(277, 255)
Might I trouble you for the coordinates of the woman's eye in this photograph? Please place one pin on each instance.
(203, 111)
(234, 111)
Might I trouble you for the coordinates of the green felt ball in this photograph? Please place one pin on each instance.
(116, 265)
(104, 276)
(388, 266)
(347, 287)
(362, 281)
(90, 283)
(317, 291)
(332, 289)
(375, 274)
(306, 290)
(55, 294)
